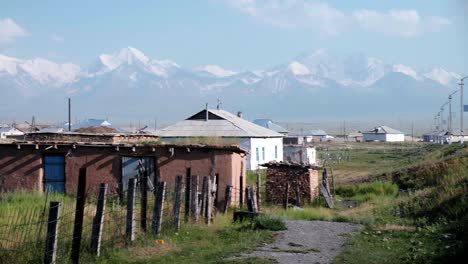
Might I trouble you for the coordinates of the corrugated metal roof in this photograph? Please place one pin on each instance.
(383, 130)
(9, 129)
(53, 129)
(305, 133)
(91, 123)
(228, 125)
(268, 123)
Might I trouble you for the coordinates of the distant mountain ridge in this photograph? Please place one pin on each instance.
(114, 81)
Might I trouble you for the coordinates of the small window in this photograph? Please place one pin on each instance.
(276, 152)
(257, 154)
(263, 153)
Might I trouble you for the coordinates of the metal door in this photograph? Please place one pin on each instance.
(132, 167)
(54, 173)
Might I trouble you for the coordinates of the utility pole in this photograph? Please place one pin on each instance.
(450, 127)
(412, 131)
(69, 114)
(461, 104)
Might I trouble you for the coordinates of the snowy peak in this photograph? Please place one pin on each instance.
(9, 64)
(131, 57)
(297, 68)
(41, 70)
(442, 76)
(406, 71)
(216, 71)
(128, 56)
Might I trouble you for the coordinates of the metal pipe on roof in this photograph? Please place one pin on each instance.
(206, 112)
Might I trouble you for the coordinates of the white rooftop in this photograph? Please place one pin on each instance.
(383, 130)
(220, 123)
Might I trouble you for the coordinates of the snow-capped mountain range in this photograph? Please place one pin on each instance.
(129, 75)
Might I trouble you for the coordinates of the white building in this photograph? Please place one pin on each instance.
(306, 155)
(9, 131)
(384, 134)
(219, 126)
(314, 135)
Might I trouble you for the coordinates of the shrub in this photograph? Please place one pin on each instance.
(265, 222)
(367, 191)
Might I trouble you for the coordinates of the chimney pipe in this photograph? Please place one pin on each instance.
(239, 114)
(206, 112)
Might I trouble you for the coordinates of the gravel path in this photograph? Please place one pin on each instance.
(307, 242)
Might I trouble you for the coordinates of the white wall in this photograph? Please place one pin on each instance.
(254, 144)
(395, 137)
(11, 132)
(299, 154)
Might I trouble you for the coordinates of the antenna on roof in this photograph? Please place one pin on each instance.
(206, 111)
(32, 128)
(218, 106)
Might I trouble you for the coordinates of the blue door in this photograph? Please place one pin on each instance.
(54, 173)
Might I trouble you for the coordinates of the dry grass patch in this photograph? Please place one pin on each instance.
(147, 252)
(391, 227)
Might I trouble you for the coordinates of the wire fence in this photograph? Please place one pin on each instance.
(27, 233)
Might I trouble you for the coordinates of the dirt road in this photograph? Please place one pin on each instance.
(307, 242)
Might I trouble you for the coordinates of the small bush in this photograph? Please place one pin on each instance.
(367, 191)
(265, 222)
(341, 218)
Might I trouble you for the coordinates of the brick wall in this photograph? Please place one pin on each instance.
(22, 168)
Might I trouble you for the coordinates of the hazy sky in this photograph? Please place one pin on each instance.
(238, 34)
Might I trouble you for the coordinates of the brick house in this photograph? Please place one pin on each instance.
(54, 165)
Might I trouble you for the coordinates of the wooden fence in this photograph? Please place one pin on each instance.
(80, 228)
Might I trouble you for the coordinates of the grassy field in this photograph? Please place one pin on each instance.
(195, 244)
(412, 200)
(360, 162)
(425, 221)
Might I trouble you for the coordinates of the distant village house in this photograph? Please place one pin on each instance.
(384, 134)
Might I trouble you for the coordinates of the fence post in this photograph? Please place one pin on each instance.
(259, 195)
(227, 198)
(333, 181)
(298, 195)
(286, 197)
(253, 200)
(98, 220)
(177, 201)
(208, 201)
(50, 254)
(241, 191)
(79, 214)
(144, 200)
(158, 207)
(194, 197)
(131, 232)
(187, 197)
(204, 196)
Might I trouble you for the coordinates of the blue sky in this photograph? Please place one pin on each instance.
(239, 34)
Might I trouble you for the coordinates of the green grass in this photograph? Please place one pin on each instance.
(366, 162)
(367, 191)
(394, 246)
(426, 222)
(265, 222)
(195, 244)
